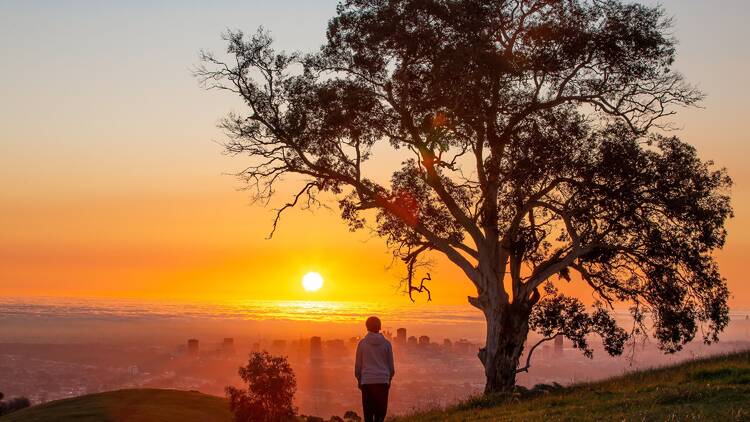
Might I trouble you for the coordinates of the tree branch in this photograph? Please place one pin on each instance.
(528, 356)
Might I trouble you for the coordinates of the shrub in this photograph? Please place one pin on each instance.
(271, 385)
(352, 416)
(13, 404)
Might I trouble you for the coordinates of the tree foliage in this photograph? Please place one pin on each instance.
(535, 145)
(269, 396)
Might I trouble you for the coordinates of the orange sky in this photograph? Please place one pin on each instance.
(112, 187)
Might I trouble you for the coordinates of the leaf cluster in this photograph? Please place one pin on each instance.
(269, 395)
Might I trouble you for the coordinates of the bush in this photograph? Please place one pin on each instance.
(13, 404)
(271, 385)
(351, 416)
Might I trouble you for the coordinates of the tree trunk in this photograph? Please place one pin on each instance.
(507, 329)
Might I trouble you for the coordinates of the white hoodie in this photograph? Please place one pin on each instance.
(374, 363)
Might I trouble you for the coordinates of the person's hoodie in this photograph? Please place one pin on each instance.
(374, 362)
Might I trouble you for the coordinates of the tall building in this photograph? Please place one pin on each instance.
(227, 346)
(424, 341)
(316, 349)
(316, 373)
(559, 345)
(411, 341)
(401, 336)
(335, 348)
(278, 346)
(192, 347)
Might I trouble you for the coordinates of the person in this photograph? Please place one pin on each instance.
(374, 371)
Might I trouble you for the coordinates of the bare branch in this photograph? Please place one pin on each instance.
(526, 367)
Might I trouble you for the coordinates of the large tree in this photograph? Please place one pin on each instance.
(536, 151)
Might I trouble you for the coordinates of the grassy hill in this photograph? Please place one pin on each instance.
(711, 389)
(144, 405)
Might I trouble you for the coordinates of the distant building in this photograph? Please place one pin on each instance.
(278, 346)
(412, 341)
(424, 341)
(316, 349)
(559, 345)
(401, 336)
(227, 346)
(299, 348)
(447, 343)
(353, 342)
(335, 348)
(463, 346)
(546, 352)
(192, 347)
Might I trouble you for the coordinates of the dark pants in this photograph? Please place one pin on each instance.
(375, 401)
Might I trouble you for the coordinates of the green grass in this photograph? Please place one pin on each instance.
(144, 405)
(717, 388)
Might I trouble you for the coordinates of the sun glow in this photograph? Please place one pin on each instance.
(312, 282)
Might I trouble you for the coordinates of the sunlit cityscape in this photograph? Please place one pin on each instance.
(113, 345)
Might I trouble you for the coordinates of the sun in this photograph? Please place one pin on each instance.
(312, 282)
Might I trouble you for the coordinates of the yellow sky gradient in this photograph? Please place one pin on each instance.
(112, 186)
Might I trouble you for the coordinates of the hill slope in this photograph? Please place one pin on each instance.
(143, 405)
(717, 388)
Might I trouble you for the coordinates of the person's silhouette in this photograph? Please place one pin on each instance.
(374, 370)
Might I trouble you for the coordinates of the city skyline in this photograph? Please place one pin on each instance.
(87, 368)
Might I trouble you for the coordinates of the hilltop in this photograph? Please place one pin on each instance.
(716, 388)
(141, 405)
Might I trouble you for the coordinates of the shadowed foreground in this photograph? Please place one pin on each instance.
(143, 405)
(712, 389)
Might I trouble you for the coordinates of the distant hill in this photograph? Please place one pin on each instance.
(714, 389)
(142, 405)
(717, 388)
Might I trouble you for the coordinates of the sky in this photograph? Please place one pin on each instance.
(114, 184)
